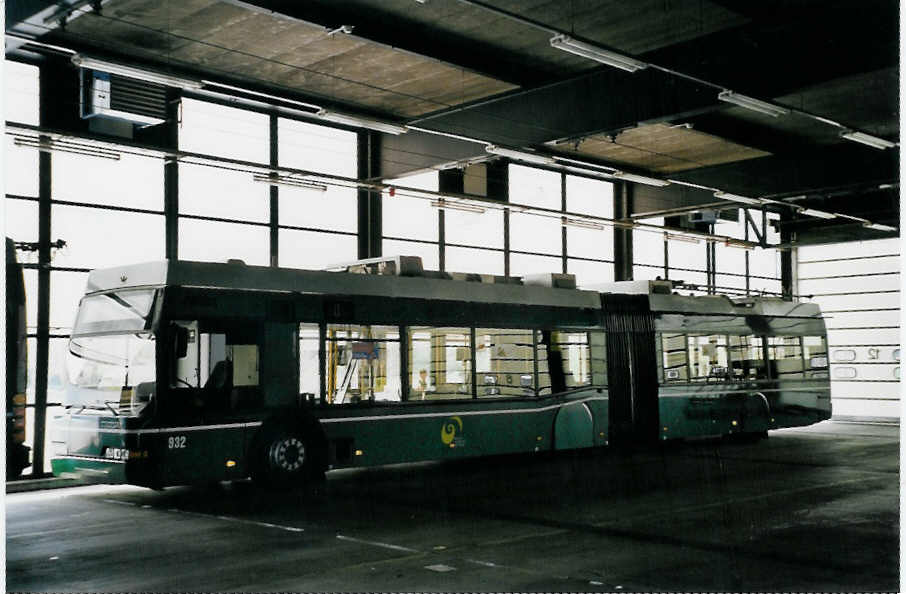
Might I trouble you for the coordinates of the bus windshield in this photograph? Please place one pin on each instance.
(113, 372)
(114, 312)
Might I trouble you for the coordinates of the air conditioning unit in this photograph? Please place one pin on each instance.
(703, 216)
(105, 95)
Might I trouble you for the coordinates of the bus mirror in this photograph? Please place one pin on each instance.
(182, 342)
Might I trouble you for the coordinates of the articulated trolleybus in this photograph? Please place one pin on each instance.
(185, 372)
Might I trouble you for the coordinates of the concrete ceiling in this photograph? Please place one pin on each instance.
(485, 69)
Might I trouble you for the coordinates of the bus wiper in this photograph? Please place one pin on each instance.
(113, 410)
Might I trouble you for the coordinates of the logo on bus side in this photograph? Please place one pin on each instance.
(450, 432)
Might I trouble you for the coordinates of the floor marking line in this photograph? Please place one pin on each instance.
(211, 516)
(375, 543)
(236, 520)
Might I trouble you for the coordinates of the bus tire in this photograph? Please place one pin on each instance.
(287, 456)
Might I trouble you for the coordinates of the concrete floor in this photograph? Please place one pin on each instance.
(808, 509)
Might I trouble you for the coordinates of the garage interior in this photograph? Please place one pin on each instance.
(737, 148)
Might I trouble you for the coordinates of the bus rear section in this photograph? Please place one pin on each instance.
(742, 367)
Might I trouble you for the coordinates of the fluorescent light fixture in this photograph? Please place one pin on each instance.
(568, 222)
(136, 73)
(361, 122)
(817, 213)
(752, 104)
(737, 198)
(463, 206)
(738, 244)
(519, 155)
(676, 237)
(641, 179)
(295, 182)
(63, 147)
(867, 139)
(878, 227)
(592, 52)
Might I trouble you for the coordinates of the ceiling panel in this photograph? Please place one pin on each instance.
(232, 39)
(661, 148)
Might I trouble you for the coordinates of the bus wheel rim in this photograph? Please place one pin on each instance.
(288, 454)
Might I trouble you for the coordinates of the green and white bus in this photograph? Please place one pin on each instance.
(184, 372)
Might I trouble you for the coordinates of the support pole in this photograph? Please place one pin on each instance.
(622, 238)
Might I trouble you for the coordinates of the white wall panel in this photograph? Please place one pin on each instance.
(857, 284)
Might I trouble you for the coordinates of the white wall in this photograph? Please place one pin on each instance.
(857, 285)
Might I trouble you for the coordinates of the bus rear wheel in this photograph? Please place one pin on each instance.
(286, 458)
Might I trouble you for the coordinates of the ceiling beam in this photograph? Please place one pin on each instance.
(409, 35)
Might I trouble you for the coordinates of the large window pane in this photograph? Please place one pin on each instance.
(428, 252)
(66, 289)
(533, 233)
(224, 131)
(97, 238)
(211, 241)
(214, 192)
(534, 187)
(311, 250)
(313, 147)
(589, 196)
(683, 255)
(20, 169)
(590, 273)
(323, 149)
(522, 264)
(648, 248)
(470, 228)
(31, 299)
(590, 243)
(407, 217)
(132, 181)
(473, 260)
(21, 88)
(21, 222)
(334, 209)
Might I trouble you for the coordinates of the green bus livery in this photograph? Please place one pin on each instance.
(183, 372)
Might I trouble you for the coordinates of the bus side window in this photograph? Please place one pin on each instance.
(544, 376)
(598, 358)
(814, 353)
(747, 358)
(504, 362)
(708, 360)
(309, 359)
(674, 353)
(363, 363)
(785, 353)
(185, 355)
(573, 347)
(440, 363)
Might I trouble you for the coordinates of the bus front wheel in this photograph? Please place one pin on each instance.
(286, 458)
